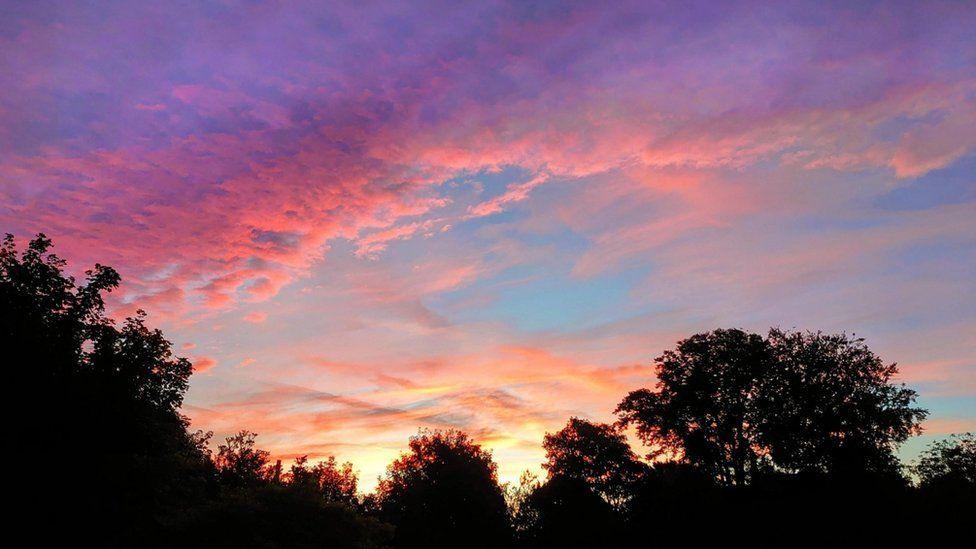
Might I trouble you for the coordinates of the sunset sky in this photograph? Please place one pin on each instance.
(361, 218)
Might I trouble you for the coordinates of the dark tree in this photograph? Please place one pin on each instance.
(444, 492)
(240, 464)
(103, 397)
(332, 482)
(946, 473)
(567, 512)
(112, 463)
(595, 453)
(830, 406)
(45, 319)
(138, 362)
(274, 515)
(948, 462)
(520, 516)
(733, 403)
(670, 499)
(704, 407)
(259, 506)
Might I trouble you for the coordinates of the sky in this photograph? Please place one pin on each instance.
(360, 219)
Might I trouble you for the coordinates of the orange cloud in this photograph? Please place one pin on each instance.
(202, 364)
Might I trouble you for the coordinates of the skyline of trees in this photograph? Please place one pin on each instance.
(738, 424)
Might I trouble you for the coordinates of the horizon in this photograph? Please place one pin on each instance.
(358, 221)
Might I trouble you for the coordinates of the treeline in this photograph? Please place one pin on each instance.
(772, 440)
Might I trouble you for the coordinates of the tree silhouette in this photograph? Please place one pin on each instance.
(444, 492)
(139, 362)
(273, 515)
(45, 318)
(829, 406)
(258, 506)
(669, 499)
(948, 462)
(734, 403)
(567, 512)
(520, 515)
(101, 402)
(332, 482)
(595, 453)
(240, 464)
(108, 395)
(704, 407)
(946, 473)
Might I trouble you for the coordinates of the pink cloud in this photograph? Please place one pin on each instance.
(203, 194)
(376, 242)
(202, 364)
(257, 317)
(514, 193)
(949, 426)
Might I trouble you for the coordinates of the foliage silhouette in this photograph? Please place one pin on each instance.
(331, 482)
(596, 454)
(738, 405)
(946, 473)
(949, 462)
(274, 515)
(240, 464)
(567, 512)
(444, 492)
(520, 515)
(668, 498)
(772, 440)
(109, 395)
(828, 405)
(107, 398)
(704, 407)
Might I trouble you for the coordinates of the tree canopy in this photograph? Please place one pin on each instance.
(567, 512)
(596, 454)
(332, 482)
(240, 463)
(829, 405)
(735, 403)
(110, 394)
(444, 492)
(949, 462)
(704, 409)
